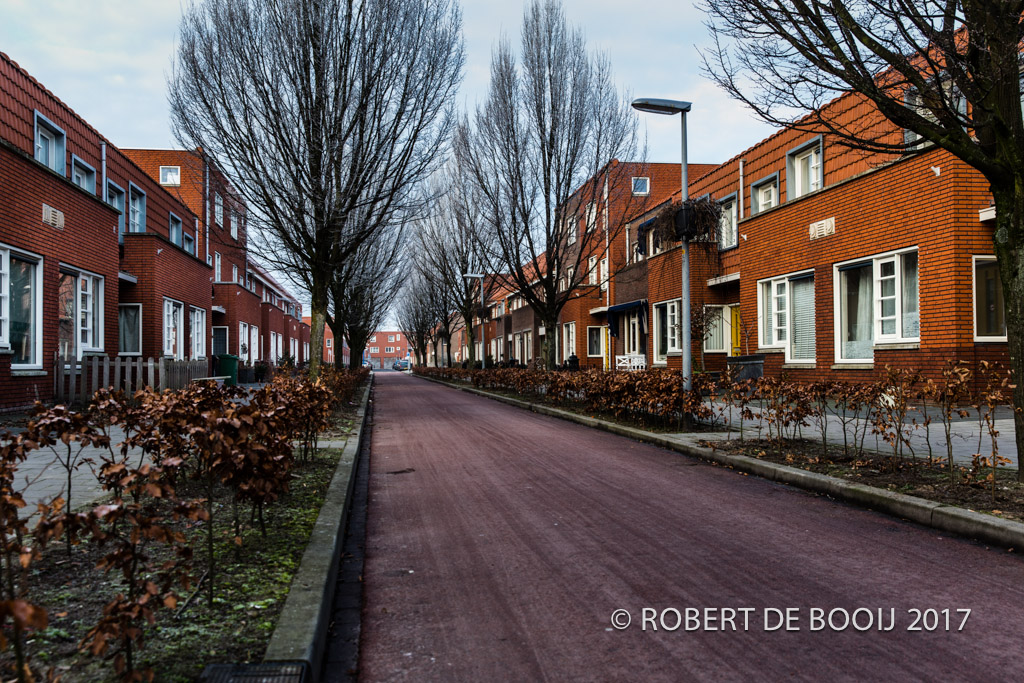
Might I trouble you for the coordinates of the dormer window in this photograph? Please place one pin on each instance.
(49, 139)
(641, 186)
(804, 169)
(170, 175)
(764, 194)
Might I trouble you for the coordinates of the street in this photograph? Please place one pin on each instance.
(500, 543)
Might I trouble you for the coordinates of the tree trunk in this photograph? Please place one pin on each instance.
(550, 344)
(1009, 200)
(318, 317)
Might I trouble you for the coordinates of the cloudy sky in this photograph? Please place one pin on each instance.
(108, 59)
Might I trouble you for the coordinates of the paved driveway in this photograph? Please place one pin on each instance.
(500, 544)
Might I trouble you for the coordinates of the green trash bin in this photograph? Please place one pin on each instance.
(228, 366)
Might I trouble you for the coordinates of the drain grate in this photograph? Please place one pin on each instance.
(272, 672)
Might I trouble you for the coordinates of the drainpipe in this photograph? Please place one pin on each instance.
(206, 209)
(740, 195)
(103, 170)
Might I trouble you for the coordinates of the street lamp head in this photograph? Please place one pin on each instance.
(472, 276)
(656, 106)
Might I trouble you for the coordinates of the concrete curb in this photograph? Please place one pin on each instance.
(947, 518)
(301, 629)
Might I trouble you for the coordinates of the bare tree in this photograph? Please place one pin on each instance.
(948, 71)
(415, 315)
(540, 160)
(364, 289)
(319, 110)
(451, 244)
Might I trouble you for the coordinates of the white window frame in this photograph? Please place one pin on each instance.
(568, 340)
(243, 339)
(217, 267)
(169, 177)
(728, 224)
(654, 247)
(136, 218)
(810, 153)
(391, 349)
(6, 252)
(674, 336)
(602, 273)
(176, 230)
(119, 339)
(571, 228)
(197, 318)
(592, 273)
(170, 306)
(975, 260)
(769, 292)
(254, 346)
(114, 191)
(92, 325)
(603, 351)
(88, 174)
(591, 217)
(234, 215)
(641, 186)
(875, 261)
(234, 273)
(328, 342)
(756, 194)
(218, 209)
(726, 325)
(631, 335)
(44, 127)
(375, 349)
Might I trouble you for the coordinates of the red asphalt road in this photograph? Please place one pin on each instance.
(503, 554)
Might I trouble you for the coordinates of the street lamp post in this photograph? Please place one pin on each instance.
(671, 107)
(483, 323)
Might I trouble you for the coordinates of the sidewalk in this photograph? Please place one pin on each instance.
(964, 435)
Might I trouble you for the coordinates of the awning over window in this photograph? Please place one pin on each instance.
(620, 309)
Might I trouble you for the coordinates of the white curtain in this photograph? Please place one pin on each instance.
(858, 333)
(802, 341)
(911, 315)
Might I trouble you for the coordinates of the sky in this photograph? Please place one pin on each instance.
(109, 61)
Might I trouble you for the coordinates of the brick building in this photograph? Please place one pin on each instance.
(384, 347)
(96, 258)
(110, 252)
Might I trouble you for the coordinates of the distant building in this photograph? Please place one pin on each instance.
(385, 347)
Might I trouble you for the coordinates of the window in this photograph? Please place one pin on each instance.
(79, 313)
(913, 99)
(295, 349)
(667, 330)
(21, 307)
(173, 329)
(254, 343)
(632, 330)
(764, 194)
(243, 341)
(115, 197)
(305, 350)
(374, 349)
(877, 303)
(83, 175)
(592, 269)
(654, 243)
(595, 342)
(329, 342)
(90, 312)
(641, 186)
(568, 341)
(570, 228)
(727, 228)
(716, 335)
(175, 230)
(234, 273)
(602, 274)
(49, 139)
(197, 332)
(391, 349)
(391, 337)
(129, 329)
(218, 209)
(136, 209)
(989, 306)
(591, 215)
(786, 315)
(803, 169)
(188, 244)
(373, 338)
(234, 224)
(220, 340)
(170, 175)
(216, 270)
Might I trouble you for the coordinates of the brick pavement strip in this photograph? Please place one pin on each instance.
(500, 542)
(948, 518)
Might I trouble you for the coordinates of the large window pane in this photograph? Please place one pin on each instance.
(129, 330)
(989, 308)
(66, 340)
(24, 326)
(855, 297)
(802, 344)
(911, 315)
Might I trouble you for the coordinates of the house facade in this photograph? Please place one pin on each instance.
(107, 252)
(384, 347)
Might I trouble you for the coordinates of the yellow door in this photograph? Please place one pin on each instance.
(734, 324)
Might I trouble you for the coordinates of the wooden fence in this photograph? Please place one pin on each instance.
(75, 381)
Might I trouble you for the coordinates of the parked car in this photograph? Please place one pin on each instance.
(400, 365)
